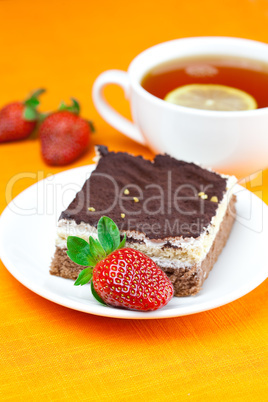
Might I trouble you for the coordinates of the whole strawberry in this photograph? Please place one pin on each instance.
(120, 277)
(18, 119)
(64, 135)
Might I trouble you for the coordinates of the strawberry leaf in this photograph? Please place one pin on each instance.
(92, 127)
(123, 242)
(78, 251)
(90, 253)
(108, 234)
(62, 106)
(32, 102)
(74, 108)
(29, 113)
(96, 249)
(42, 116)
(84, 277)
(95, 294)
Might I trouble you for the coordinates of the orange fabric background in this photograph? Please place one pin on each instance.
(49, 352)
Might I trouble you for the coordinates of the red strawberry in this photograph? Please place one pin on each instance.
(64, 135)
(18, 119)
(120, 277)
(128, 278)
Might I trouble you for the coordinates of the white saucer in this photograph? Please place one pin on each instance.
(27, 234)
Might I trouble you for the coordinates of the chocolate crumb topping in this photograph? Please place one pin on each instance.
(167, 190)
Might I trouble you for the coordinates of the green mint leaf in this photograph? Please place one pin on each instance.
(96, 249)
(78, 251)
(123, 242)
(95, 294)
(108, 234)
(29, 114)
(84, 277)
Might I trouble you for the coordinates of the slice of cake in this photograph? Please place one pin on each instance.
(177, 213)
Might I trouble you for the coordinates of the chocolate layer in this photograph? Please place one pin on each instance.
(163, 196)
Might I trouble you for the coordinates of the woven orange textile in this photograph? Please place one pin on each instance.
(52, 353)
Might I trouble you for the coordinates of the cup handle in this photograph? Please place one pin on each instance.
(109, 114)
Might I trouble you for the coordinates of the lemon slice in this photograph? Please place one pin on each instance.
(211, 97)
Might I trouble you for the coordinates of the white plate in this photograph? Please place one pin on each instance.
(27, 233)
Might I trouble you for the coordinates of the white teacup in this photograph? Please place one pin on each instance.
(232, 142)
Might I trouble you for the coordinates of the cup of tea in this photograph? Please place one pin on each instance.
(202, 99)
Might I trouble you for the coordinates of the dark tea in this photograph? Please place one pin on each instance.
(247, 75)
